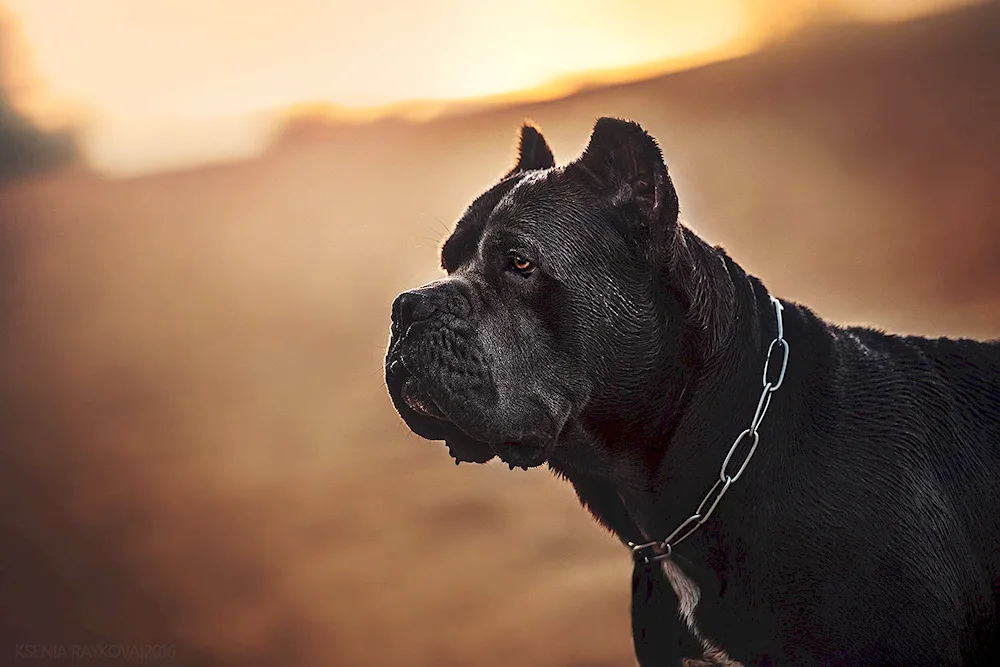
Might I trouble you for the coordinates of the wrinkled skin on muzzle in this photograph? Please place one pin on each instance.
(465, 370)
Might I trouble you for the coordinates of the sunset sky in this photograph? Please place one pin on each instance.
(160, 83)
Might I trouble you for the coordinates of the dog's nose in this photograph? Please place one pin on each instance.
(412, 306)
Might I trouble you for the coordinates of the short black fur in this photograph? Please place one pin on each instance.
(866, 530)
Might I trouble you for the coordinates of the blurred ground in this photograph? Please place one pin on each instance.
(197, 448)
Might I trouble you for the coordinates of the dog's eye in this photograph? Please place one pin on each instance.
(520, 263)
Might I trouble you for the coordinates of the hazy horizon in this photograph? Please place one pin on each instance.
(171, 84)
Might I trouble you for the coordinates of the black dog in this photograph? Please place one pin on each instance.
(580, 325)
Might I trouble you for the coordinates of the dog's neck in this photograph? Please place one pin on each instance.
(661, 476)
(720, 404)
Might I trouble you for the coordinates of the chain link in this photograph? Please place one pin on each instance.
(661, 550)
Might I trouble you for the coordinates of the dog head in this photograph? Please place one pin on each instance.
(552, 312)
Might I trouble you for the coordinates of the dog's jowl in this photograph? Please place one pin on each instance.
(793, 492)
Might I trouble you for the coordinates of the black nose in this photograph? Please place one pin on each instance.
(412, 306)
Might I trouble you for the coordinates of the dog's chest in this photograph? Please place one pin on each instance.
(688, 597)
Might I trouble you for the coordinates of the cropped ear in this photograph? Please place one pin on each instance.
(533, 152)
(625, 165)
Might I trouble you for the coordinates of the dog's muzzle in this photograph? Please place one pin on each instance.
(412, 316)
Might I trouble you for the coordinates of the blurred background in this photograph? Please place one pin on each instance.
(207, 208)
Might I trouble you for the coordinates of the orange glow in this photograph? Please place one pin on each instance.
(164, 82)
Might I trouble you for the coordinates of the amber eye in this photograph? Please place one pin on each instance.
(521, 263)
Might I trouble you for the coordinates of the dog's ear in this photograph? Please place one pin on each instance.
(625, 165)
(533, 152)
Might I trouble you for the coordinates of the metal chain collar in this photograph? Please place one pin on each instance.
(650, 552)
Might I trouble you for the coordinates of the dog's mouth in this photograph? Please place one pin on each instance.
(420, 404)
(424, 417)
(427, 419)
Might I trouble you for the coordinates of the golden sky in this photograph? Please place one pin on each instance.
(158, 83)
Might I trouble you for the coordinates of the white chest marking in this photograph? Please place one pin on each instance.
(688, 596)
